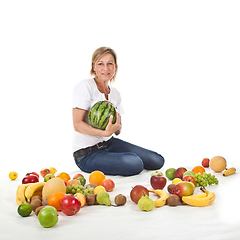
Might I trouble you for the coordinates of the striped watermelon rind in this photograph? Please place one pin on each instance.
(99, 114)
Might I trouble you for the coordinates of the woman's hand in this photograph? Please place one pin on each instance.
(113, 128)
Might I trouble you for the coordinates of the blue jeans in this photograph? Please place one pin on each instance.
(118, 157)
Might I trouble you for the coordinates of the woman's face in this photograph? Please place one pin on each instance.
(105, 67)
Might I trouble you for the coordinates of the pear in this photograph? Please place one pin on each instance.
(103, 198)
(145, 203)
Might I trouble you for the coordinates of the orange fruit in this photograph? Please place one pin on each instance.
(54, 200)
(96, 177)
(64, 176)
(198, 169)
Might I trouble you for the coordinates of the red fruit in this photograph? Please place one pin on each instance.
(30, 179)
(70, 205)
(44, 172)
(33, 173)
(108, 184)
(158, 181)
(137, 192)
(205, 162)
(179, 172)
(183, 189)
(189, 178)
(76, 176)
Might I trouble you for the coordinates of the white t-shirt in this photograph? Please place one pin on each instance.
(85, 95)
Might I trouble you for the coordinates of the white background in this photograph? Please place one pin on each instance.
(179, 79)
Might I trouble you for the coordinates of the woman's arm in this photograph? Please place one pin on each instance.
(80, 126)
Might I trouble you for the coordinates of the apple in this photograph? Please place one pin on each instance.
(70, 205)
(189, 173)
(170, 173)
(44, 172)
(158, 181)
(189, 178)
(108, 184)
(183, 189)
(73, 182)
(30, 179)
(33, 173)
(48, 177)
(137, 192)
(76, 176)
(156, 173)
(82, 180)
(205, 162)
(48, 216)
(179, 172)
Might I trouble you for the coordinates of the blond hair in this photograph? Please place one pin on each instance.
(98, 54)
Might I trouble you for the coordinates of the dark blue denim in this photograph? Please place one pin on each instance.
(118, 157)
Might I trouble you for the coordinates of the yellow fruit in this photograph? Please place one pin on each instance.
(193, 185)
(13, 175)
(98, 189)
(218, 164)
(51, 186)
(176, 180)
(52, 170)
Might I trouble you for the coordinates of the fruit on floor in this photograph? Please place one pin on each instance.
(96, 177)
(188, 178)
(73, 182)
(200, 200)
(163, 196)
(170, 173)
(103, 198)
(24, 209)
(48, 216)
(37, 210)
(179, 172)
(52, 186)
(82, 180)
(13, 175)
(70, 205)
(183, 189)
(170, 187)
(98, 189)
(176, 180)
(157, 172)
(191, 173)
(30, 179)
(20, 193)
(81, 198)
(48, 177)
(137, 192)
(229, 171)
(218, 164)
(145, 203)
(77, 175)
(158, 181)
(52, 170)
(33, 173)
(32, 189)
(198, 169)
(55, 198)
(44, 172)
(173, 200)
(91, 199)
(120, 200)
(108, 184)
(64, 176)
(205, 162)
(35, 203)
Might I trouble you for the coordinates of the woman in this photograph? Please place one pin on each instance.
(96, 149)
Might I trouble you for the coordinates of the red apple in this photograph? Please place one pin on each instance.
(44, 172)
(30, 179)
(108, 184)
(76, 176)
(33, 173)
(189, 178)
(179, 172)
(205, 162)
(137, 192)
(183, 189)
(158, 181)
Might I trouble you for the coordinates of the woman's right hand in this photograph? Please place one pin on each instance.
(112, 128)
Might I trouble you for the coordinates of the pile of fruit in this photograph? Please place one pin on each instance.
(58, 192)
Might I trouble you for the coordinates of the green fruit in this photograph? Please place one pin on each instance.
(156, 173)
(170, 173)
(82, 180)
(24, 209)
(103, 198)
(145, 203)
(48, 216)
(191, 173)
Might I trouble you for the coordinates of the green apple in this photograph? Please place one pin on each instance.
(156, 173)
(48, 177)
(170, 173)
(191, 173)
(145, 203)
(48, 216)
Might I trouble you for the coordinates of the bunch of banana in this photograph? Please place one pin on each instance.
(26, 191)
(229, 171)
(163, 196)
(200, 200)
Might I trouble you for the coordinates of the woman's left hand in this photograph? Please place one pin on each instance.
(113, 128)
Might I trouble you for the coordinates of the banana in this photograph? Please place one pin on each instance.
(163, 197)
(229, 171)
(199, 200)
(32, 188)
(20, 194)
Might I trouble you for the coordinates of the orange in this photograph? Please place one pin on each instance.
(96, 177)
(54, 200)
(198, 169)
(64, 176)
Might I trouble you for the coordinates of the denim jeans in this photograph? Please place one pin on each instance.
(118, 157)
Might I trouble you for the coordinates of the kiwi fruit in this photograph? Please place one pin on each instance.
(37, 210)
(120, 200)
(36, 197)
(90, 199)
(170, 187)
(173, 200)
(35, 203)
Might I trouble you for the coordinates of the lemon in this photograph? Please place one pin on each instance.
(52, 170)
(98, 189)
(176, 180)
(13, 175)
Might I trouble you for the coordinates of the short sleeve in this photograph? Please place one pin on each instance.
(82, 95)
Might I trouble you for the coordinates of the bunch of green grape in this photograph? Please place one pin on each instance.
(79, 189)
(202, 180)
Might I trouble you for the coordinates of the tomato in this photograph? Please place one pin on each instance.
(70, 205)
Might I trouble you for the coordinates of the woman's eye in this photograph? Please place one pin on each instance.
(99, 64)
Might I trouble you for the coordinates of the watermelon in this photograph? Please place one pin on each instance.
(99, 114)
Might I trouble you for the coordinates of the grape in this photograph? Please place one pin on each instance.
(205, 179)
(79, 189)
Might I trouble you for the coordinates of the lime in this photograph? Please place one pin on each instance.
(24, 209)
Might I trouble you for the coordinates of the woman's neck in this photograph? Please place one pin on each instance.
(103, 87)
